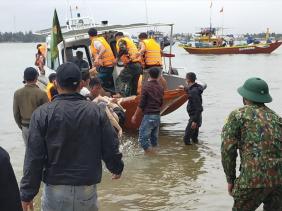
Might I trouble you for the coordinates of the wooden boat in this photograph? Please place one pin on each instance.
(173, 99)
(76, 38)
(209, 41)
(241, 49)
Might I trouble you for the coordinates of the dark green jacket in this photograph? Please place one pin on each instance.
(256, 131)
(26, 100)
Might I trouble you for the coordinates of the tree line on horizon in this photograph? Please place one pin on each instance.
(277, 36)
(24, 37)
(27, 37)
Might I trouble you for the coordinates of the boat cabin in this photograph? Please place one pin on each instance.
(78, 40)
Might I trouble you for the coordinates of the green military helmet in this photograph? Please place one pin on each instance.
(255, 90)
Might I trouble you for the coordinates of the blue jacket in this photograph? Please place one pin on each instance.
(68, 138)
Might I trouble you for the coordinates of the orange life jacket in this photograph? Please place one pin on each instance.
(48, 90)
(131, 49)
(108, 58)
(152, 54)
(42, 49)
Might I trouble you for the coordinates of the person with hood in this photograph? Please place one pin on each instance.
(194, 108)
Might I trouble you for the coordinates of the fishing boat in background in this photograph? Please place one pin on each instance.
(75, 37)
(265, 48)
(209, 42)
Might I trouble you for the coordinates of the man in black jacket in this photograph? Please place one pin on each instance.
(68, 139)
(9, 191)
(194, 109)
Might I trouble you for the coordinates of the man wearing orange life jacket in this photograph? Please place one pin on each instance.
(127, 52)
(50, 88)
(150, 52)
(103, 57)
(40, 58)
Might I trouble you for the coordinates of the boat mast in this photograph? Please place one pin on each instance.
(267, 34)
(146, 8)
(170, 49)
(210, 20)
(222, 20)
(70, 12)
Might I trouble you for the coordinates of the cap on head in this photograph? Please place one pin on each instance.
(92, 32)
(191, 76)
(255, 90)
(119, 34)
(68, 75)
(30, 74)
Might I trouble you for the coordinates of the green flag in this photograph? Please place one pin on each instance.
(56, 37)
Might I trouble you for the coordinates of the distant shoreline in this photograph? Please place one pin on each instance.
(29, 37)
(20, 37)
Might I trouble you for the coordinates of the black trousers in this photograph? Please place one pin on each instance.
(192, 133)
(127, 81)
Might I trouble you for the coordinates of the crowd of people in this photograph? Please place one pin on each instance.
(75, 124)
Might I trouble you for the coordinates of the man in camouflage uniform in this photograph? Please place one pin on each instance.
(256, 131)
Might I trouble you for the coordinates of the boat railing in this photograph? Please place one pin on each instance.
(80, 23)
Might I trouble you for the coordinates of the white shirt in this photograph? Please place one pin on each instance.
(97, 44)
(84, 91)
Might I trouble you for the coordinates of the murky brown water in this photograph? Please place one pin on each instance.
(180, 177)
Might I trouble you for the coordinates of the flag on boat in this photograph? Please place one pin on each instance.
(56, 37)
(211, 5)
(221, 10)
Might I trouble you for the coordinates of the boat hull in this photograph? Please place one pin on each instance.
(173, 99)
(248, 49)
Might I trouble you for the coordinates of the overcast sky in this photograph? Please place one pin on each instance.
(239, 16)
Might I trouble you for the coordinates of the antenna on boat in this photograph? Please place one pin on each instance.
(222, 20)
(146, 10)
(70, 12)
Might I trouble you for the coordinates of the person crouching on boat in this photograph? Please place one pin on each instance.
(194, 108)
(40, 58)
(85, 79)
(127, 52)
(51, 90)
(103, 56)
(150, 52)
(114, 111)
(150, 106)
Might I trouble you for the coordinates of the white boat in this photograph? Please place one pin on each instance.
(76, 38)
